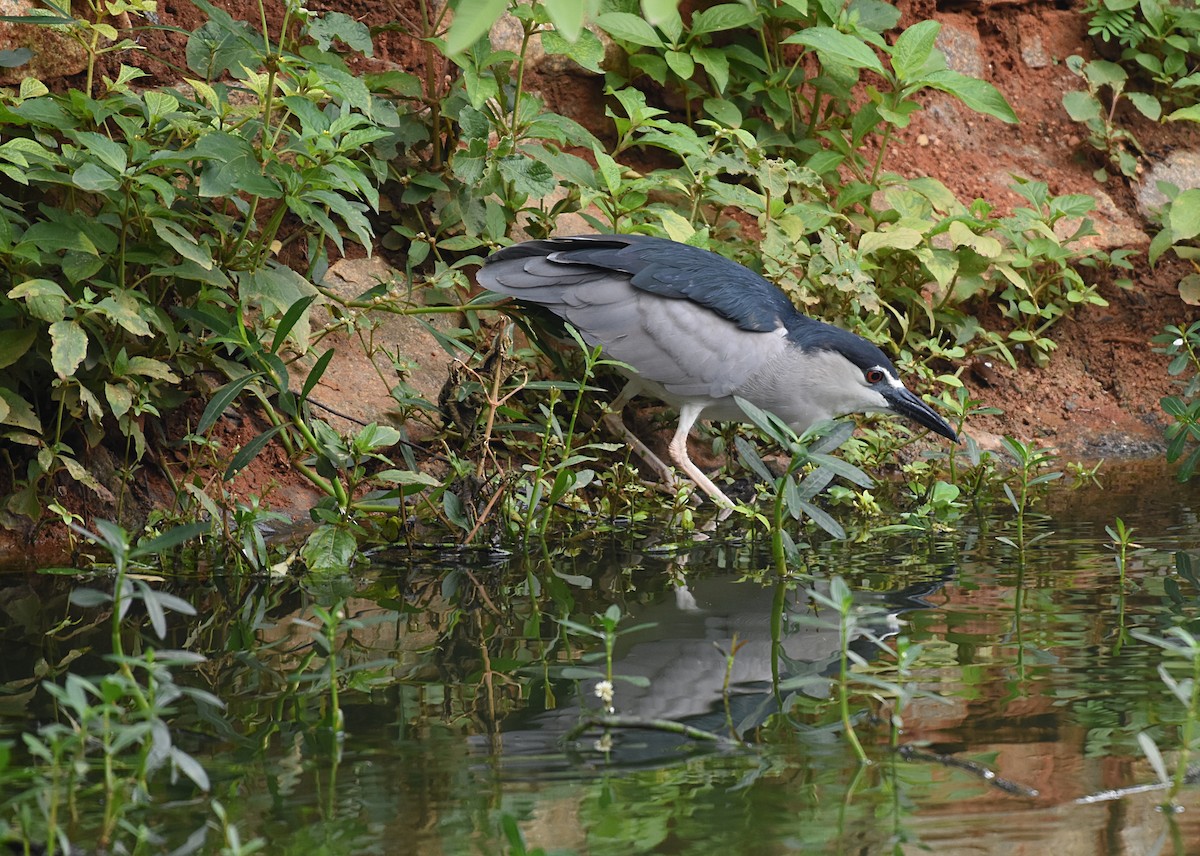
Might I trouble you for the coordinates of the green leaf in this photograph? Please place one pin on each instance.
(472, 19)
(586, 49)
(112, 154)
(328, 550)
(1147, 105)
(822, 519)
(1081, 106)
(528, 176)
(568, 16)
(727, 16)
(94, 178)
(231, 167)
(124, 309)
(18, 411)
(221, 401)
(913, 48)
(289, 320)
(250, 451)
(68, 347)
(977, 94)
(14, 344)
(839, 467)
(832, 44)
(897, 238)
(1191, 114)
(681, 63)
(629, 28)
(1184, 216)
(171, 539)
(658, 12)
(716, 63)
(338, 25)
(315, 373)
(219, 47)
(276, 289)
(183, 242)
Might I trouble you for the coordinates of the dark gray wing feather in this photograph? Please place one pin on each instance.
(697, 329)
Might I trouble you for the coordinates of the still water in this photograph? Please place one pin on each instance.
(458, 683)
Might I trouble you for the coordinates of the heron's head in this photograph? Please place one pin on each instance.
(853, 376)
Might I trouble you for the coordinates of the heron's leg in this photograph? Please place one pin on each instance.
(688, 414)
(617, 425)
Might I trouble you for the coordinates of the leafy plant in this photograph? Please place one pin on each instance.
(789, 494)
(1182, 345)
(113, 735)
(1097, 109)
(1159, 41)
(129, 222)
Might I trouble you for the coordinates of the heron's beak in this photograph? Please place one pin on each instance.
(907, 404)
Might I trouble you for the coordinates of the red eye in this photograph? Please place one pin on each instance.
(874, 376)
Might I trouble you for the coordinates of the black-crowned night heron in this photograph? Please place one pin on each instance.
(699, 329)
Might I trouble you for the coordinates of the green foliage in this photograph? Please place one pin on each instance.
(111, 738)
(1182, 345)
(1159, 42)
(130, 221)
(1097, 109)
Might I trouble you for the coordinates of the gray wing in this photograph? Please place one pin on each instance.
(687, 348)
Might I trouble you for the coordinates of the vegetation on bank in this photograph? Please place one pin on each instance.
(155, 239)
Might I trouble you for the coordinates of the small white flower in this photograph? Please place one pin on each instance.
(604, 744)
(604, 692)
(1178, 343)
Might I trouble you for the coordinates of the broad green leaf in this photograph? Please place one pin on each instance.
(1189, 289)
(528, 176)
(14, 344)
(568, 16)
(681, 63)
(119, 397)
(68, 347)
(898, 238)
(716, 63)
(1103, 73)
(18, 411)
(94, 178)
(147, 367)
(231, 167)
(727, 16)
(1184, 216)
(276, 289)
(124, 309)
(472, 19)
(216, 48)
(977, 94)
(182, 242)
(629, 28)
(586, 49)
(913, 48)
(985, 245)
(838, 46)
(329, 550)
(1146, 104)
(338, 25)
(658, 12)
(1191, 114)
(112, 154)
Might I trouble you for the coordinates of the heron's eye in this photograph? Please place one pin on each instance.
(874, 376)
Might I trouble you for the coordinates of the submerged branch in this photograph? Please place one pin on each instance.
(668, 725)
